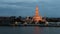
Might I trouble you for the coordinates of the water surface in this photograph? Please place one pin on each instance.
(29, 30)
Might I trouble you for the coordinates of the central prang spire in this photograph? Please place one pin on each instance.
(37, 13)
(37, 18)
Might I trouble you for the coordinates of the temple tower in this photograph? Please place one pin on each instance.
(37, 17)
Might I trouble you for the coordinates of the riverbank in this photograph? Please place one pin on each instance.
(42, 25)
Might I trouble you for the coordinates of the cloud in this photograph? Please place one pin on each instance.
(18, 8)
(14, 1)
(27, 7)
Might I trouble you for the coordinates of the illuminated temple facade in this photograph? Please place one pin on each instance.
(37, 17)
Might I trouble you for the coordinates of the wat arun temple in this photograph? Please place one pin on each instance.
(37, 18)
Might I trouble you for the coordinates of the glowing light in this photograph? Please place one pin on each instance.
(37, 17)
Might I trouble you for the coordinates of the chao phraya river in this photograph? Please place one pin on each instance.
(29, 30)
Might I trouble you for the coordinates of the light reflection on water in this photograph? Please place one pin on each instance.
(29, 30)
(37, 31)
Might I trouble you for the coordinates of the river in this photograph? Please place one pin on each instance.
(29, 30)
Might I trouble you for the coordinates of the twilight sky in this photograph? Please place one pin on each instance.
(49, 8)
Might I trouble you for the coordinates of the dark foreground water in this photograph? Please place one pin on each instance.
(29, 30)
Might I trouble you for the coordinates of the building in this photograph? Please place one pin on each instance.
(37, 17)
